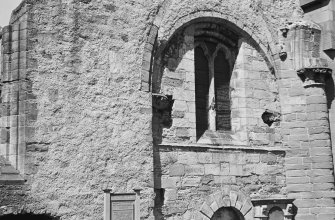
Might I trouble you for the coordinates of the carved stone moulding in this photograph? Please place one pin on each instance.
(264, 207)
(314, 76)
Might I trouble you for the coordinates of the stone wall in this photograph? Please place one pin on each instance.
(94, 129)
(189, 175)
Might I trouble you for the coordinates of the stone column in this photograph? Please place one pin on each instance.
(305, 125)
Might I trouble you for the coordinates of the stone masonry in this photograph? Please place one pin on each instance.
(214, 109)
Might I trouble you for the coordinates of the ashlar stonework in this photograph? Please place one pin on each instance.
(210, 110)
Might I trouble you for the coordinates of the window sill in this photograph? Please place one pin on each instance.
(222, 138)
(204, 147)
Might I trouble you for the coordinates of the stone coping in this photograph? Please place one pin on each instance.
(204, 147)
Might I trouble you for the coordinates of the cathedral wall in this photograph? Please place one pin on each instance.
(188, 177)
(92, 127)
(106, 99)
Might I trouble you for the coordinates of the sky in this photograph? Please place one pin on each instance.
(6, 8)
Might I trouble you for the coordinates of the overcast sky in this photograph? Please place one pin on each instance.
(6, 8)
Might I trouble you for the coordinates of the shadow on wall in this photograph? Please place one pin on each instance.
(330, 91)
(314, 5)
(28, 217)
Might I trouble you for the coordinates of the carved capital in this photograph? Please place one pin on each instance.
(314, 76)
(162, 105)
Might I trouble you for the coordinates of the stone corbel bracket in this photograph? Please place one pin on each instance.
(314, 76)
(162, 104)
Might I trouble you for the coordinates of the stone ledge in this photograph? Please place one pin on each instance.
(11, 179)
(205, 147)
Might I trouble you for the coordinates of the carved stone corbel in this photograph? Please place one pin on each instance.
(314, 76)
(161, 101)
(162, 104)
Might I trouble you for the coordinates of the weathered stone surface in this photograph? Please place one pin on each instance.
(73, 121)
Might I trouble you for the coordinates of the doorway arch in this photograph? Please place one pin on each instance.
(227, 199)
(227, 213)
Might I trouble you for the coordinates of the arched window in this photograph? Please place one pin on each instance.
(212, 87)
(276, 213)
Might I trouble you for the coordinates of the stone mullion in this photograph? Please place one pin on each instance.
(211, 97)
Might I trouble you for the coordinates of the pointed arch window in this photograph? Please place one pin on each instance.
(213, 67)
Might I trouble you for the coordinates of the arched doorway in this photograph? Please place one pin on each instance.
(227, 213)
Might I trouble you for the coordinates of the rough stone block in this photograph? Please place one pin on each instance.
(225, 169)
(323, 186)
(268, 158)
(305, 203)
(236, 169)
(224, 179)
(187, 158)
(170, 195)
(296, 173)
(191, 181)
(323, 179)
(205, 157)
(323, 165)
(297, 180)
(182, 132)
(194, 170)
(299, 187)
(214, 206)
(305, 217)
(206, 210)
(252, 158)
(317, 144)
(326, 202)
(233, 198)
(320, 151)
(294, 160)
(169, 182)
(319, 159)
(322, 136)
(213, 169)
(319, 172)
(325, 216)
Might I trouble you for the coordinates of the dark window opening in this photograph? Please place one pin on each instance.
(212, 88)
(276, 213)
(227, 213)
(201, 91)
